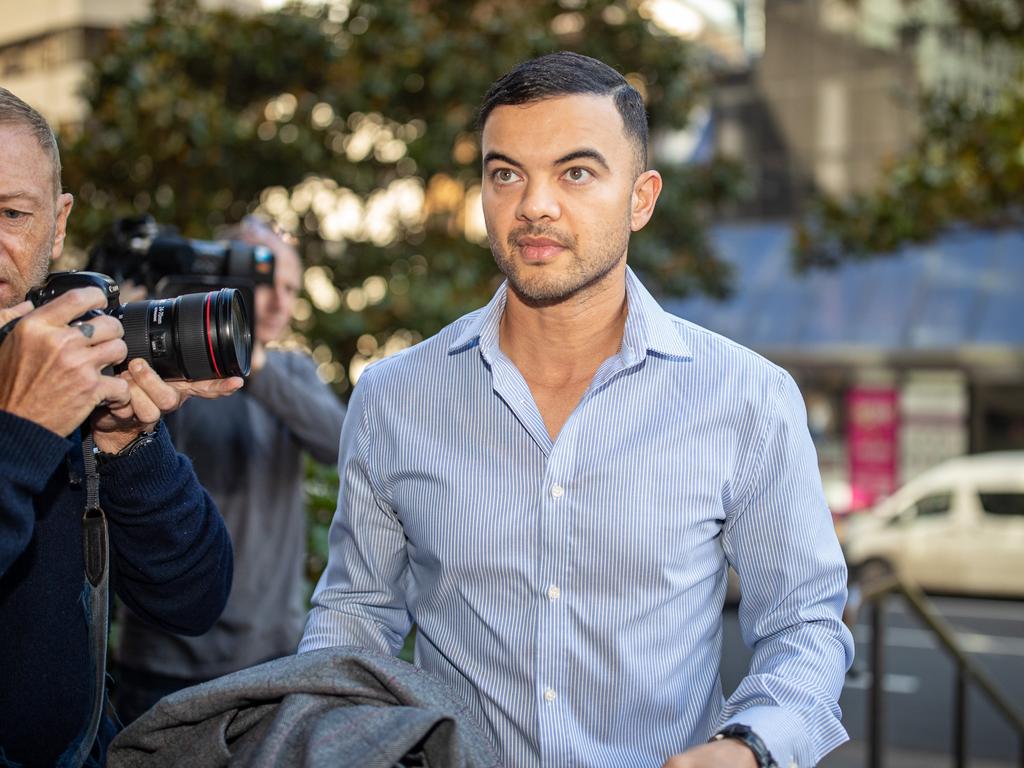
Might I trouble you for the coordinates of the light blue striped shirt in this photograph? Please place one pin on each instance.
(572, 591)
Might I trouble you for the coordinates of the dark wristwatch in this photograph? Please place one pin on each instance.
(140, 440)
(752, 740)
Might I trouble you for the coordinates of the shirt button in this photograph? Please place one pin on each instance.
(550, 695)
(554, 593)
(557, 491)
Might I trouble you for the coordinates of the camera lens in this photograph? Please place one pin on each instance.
(193, 337)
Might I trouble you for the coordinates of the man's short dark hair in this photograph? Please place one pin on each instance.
(14, 111)
(565, 73)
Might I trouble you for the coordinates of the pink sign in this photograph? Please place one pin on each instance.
(873, 442)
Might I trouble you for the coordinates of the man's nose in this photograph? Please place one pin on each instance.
(539, 201)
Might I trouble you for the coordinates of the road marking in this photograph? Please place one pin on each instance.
(971, 642)
(890, 683)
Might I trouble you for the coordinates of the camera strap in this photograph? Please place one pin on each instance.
(97, 565)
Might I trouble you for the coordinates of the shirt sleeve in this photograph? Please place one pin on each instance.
(289, 388)
(29, 455)
(360, 598)
(782, 543)
(171, 556)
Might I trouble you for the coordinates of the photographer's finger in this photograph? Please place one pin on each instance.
(18, 310)
(66, 307)
(114, 393)
(145, 411)
(100, 329)
(210, 388)
(111, 352)
(165, 397)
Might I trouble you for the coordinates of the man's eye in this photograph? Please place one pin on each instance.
(504, 176)
(11, 214)
(578, 175)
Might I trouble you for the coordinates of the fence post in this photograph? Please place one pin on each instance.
(960, 719)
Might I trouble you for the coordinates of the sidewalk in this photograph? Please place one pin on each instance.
(854, 754)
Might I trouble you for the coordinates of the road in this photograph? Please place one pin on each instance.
(919, 681)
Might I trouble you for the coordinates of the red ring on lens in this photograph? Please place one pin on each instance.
(209, 336)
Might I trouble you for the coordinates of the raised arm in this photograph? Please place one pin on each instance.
(289, 388)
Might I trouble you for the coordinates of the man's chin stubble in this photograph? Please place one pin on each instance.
(542, 296)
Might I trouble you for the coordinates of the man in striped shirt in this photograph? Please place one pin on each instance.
(553, 486)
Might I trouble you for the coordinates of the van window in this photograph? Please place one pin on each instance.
(934, 505)
(1003, 504)
(930, 506)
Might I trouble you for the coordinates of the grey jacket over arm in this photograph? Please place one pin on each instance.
(341, 706)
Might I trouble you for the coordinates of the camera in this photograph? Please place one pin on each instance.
(149, 254)
(192, 337)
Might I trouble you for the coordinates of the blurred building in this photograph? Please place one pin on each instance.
(832, 95)
(904, 360)
(46, 45)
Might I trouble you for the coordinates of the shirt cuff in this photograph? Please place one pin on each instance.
(783, 734)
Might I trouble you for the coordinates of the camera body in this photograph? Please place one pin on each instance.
(61, 282)
(192, 337)
(155, 256)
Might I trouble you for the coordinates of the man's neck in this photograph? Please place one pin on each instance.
(564, 344)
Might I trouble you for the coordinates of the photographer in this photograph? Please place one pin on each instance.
(169, 554)
(249, 454)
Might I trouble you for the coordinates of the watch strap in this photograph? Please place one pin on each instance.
(140, 440)
(754, 742)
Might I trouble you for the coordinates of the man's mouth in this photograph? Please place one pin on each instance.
(539, 249)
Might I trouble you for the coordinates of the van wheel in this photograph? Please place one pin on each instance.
(874, 570)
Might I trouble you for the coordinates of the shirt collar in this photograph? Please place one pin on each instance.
(649, 328)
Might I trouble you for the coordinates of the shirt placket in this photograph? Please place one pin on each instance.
(558, 508)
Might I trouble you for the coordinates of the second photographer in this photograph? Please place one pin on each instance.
(249, 453)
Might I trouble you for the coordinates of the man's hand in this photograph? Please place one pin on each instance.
(50, 371)
(727, 753)
(150, 397)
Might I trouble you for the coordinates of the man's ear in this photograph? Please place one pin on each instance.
(64, 203)
(646, 189)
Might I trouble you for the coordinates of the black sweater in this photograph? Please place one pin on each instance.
(170, 560)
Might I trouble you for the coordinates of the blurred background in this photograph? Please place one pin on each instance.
(844, 183)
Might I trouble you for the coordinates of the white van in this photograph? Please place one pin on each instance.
(957, 528)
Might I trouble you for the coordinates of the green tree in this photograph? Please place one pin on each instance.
(965, 168)
(353, 123)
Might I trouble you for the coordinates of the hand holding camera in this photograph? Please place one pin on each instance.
(51, 371)
(50, 379)
(115, 425)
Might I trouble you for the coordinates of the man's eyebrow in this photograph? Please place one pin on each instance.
(577, 154)
(19, 195)
(492, 157)
(584, 154)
